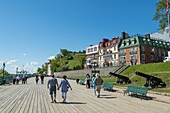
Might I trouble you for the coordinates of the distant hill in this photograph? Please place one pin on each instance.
(65, 61)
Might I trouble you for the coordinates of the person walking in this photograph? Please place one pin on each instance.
(64, 85)
(42, 79)
(17, 79)
(52, 86)
(14, 79)
(36, 79)
(98, 82)
(94, 85)
(87, 81)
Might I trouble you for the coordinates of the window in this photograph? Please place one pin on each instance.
(95, 48)
(114, 48)
(142, 48)
(122, 59)
(133, 50)
(114, 56)
(133, 42)
(143, 56)
(109, 44)
(88, 50)
(133, 57)
(91, 49)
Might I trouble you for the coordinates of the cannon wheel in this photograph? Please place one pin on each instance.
(163, 85)
(129, 82)
(146, 85)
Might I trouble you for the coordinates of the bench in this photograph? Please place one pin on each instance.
(108, 86)
(82, 81)
(136, 90)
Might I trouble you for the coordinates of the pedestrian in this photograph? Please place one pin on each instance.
(94, 86)
(42, 79)
(52, 85)
(23, 79)
(87, 81)
(64, 85)
(36, 79)
(26, 77)
(14, 79)
(98, 82)
(17, 79)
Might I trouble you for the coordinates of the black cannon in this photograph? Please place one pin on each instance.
(121, 78)
(151, 80)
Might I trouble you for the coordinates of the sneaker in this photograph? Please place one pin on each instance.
(55, 101)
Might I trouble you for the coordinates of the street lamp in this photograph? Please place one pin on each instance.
(3, 72)
(94, 64)
(16, 71)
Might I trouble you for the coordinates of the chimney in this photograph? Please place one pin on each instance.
(123, 35)
(147, 36)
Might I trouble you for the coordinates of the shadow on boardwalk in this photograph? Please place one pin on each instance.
(143, 97)
(107, 96)
(70, 103)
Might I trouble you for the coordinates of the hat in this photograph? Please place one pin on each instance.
(97, 74)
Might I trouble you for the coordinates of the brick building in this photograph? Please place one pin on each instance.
(142, 49)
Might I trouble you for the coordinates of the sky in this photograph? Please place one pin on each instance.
(31, 31)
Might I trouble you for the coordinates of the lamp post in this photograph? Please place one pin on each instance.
(16, 71)
(3, 71)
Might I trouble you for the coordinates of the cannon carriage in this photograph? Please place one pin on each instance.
(121, 78)
(151, 81)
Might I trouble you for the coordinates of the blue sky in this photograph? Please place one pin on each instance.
(33, 30)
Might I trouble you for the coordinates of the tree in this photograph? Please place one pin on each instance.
(64, 52)
(160, 14)
(5, 72)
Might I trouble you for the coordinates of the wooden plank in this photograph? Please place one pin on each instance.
(32, 98)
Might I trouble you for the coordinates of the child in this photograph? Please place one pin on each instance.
(64, 87)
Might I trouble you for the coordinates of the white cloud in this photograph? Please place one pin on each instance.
(1, 62)
(34, 63)
(31, 67)
(23, 54)
(10, 62)
(51, 58)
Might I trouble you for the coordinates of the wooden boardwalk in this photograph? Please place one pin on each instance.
(32, 98)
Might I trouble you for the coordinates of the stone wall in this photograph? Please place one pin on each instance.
(103, 72)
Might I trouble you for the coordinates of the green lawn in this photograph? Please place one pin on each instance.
(160, 70)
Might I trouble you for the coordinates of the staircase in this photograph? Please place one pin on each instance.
(121, 69)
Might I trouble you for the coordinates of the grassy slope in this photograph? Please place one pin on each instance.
(160, 70)
(75, 61)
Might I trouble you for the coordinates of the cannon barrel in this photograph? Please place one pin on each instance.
(121, 78)
(149, 77)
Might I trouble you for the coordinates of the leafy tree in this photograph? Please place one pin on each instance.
(5, 72)
(160, 14)
(64, 52)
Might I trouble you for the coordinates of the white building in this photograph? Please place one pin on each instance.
(108, 53)
(92, 56)
(161, 35)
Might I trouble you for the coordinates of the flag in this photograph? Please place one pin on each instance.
(167, 7)
(167, 4)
